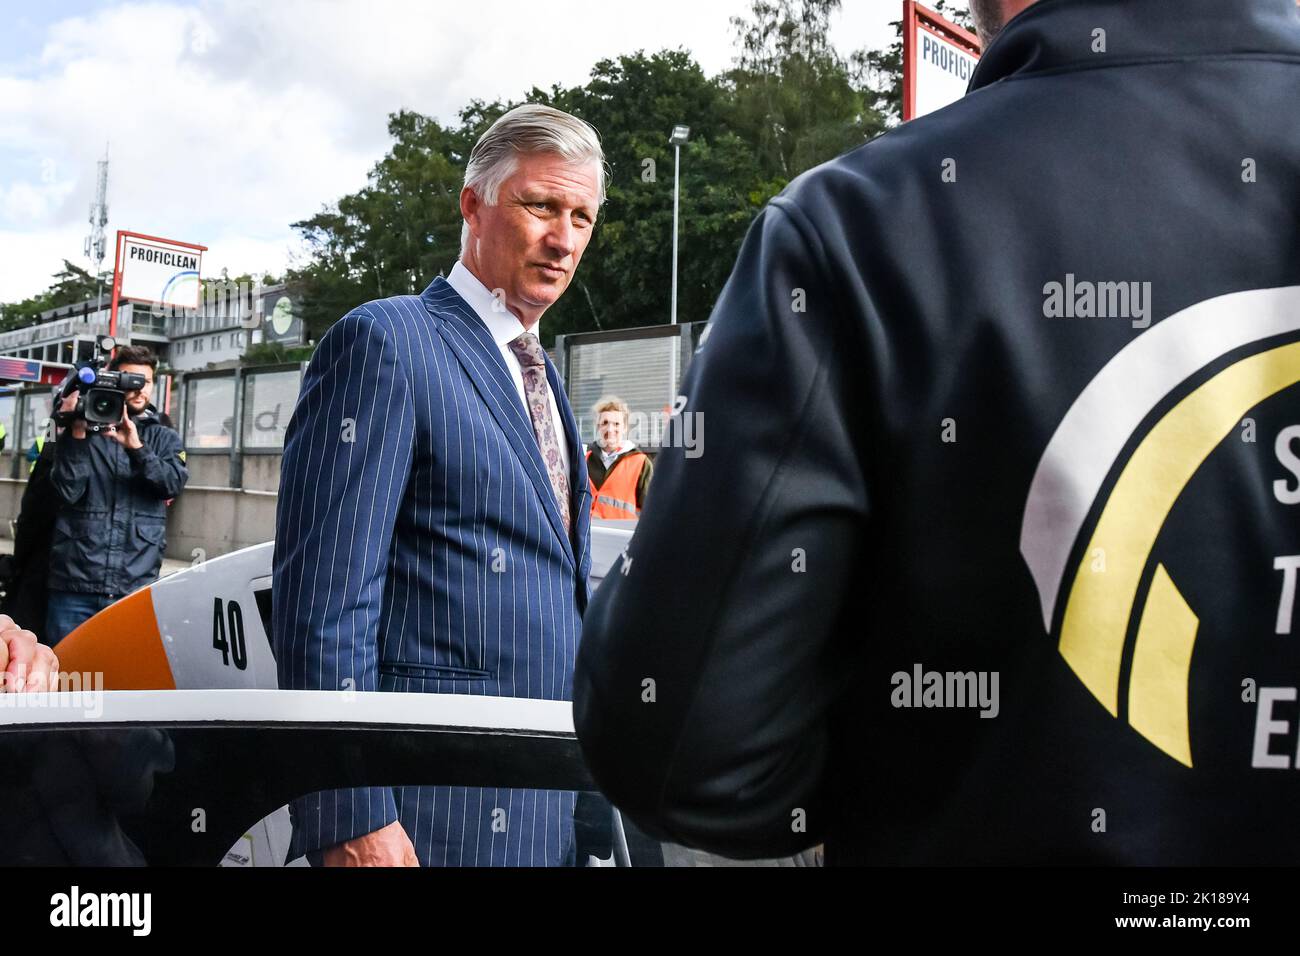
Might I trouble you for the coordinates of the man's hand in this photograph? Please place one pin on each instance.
(78, 427)
(25, 665)
(388, 846)
(125, 432)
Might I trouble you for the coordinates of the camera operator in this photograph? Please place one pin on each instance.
(112, 486)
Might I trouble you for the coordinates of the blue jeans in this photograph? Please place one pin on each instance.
(67, 609)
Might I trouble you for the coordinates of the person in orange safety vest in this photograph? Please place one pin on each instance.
(617, 470)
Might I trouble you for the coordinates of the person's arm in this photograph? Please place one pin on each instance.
(595, 467)
(708, 659)
(347, 457)
(643, 482)
(70, 475)
(163, 471)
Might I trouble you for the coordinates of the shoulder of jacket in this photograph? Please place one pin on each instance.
(385, 323)
(391, 317)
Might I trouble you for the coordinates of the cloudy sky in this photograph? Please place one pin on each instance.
(228, 119)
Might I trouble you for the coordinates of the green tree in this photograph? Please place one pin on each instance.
(794, 94)
(790, 102)
(625, 279)
(397, 232)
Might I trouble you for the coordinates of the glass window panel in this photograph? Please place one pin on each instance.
(35, 417)
(639, 371)
(269, 398)
(209, 412)
(7, 406)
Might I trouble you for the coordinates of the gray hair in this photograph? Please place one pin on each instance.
(612, 403)
(531, 128)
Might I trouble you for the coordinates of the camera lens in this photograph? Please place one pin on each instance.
(105, 407)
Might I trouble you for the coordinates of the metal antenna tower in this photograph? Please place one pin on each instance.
(96, 245)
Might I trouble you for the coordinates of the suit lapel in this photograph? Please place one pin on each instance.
(472, 344)
(578, 483)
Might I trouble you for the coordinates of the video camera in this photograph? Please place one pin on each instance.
(103, 393)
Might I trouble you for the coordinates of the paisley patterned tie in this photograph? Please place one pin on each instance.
(533, 362)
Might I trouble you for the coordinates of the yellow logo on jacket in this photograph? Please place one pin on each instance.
(1100, 608)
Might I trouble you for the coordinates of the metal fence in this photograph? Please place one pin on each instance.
(207, 413)
(25, 413)
(244, 411)
(237, 412)
(643, 366)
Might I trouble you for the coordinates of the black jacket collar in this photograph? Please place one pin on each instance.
(1058, 34)
(149, 416)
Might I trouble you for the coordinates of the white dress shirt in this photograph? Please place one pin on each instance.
(504, 327)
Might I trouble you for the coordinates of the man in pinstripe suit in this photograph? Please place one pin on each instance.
(432, 533)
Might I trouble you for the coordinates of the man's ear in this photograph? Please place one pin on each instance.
(470, 204)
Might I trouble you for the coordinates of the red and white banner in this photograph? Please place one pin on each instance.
(939, 58)
(152, 269)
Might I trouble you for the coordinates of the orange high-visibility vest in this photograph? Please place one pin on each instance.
(616, 498)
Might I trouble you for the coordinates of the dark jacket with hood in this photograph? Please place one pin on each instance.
(993, 555)
(111, 529)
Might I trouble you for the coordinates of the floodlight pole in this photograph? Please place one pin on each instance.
(677, 156)
(678, 138)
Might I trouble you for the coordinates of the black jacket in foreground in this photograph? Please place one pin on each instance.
(984, 554)
(110, 532)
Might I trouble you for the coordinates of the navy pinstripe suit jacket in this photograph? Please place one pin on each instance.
(419, 547)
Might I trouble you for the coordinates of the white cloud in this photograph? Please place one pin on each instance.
(239, 254)
(230, 119)
(31, 257)
(32, 202)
